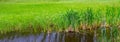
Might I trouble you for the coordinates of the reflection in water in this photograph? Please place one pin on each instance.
(53, 37)
(95, 36)
(83, 38)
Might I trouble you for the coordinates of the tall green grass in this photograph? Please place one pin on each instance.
(62, 15)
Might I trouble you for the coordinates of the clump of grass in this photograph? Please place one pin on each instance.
(88, 18)
(73, 18)
(69, 20)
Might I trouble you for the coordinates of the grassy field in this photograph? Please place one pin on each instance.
(57, 16)
(61, 15)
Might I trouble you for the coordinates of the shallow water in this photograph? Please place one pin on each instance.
(52, 37)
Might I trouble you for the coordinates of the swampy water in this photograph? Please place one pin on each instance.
(50, 37)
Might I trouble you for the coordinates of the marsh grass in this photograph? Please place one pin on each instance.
(79, 19)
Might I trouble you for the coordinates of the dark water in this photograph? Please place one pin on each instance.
(52, 37)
